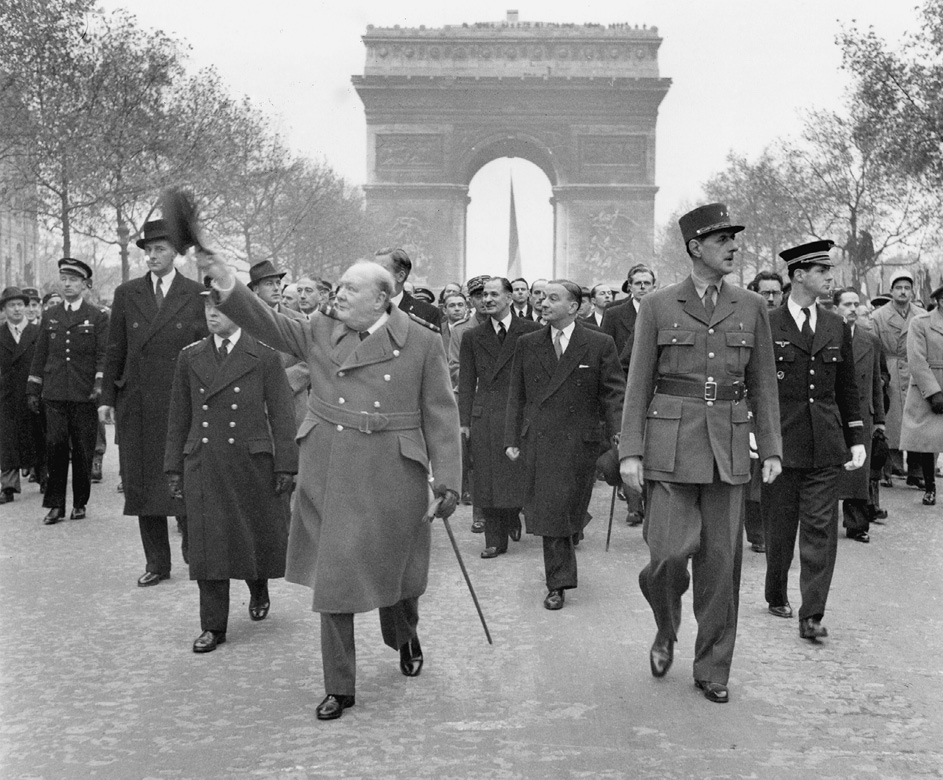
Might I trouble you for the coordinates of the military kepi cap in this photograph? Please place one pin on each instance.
(263, 270)
(901, 275)
(706, 219)
(69, 265)
(477, 284)
(154, 230)
(32, 293)
(813, 253)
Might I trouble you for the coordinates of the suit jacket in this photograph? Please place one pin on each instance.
(867, 352)
(820, 416)
(143, 347)
(562, 414)
(20, 429)
(484, 382)
(70, 353)
(683, 439)
(619, 322)
(421, 309)
(528, 312)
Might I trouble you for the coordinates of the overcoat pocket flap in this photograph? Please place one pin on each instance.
(671, 336)
(307, 425)
(259, 445)
(413, 450)
(189, 446)
(665, 407)
(739, 338)
(739, 413)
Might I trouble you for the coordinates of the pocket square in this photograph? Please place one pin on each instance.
(584, 366)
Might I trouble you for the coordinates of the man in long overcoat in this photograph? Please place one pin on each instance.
(854, 487)
(21, 433)
(484, 380)
(700, 347)
(381, 423)
(152, 319)
(231, 453)
(564, 406)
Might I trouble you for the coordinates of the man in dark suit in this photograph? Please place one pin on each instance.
(820, 419)
(484, 379)
(520, 299)
(600, 297)
(21, 434)
(153, 318)
(67, 373)
(397, 262)
(700, 346)
(564, 405)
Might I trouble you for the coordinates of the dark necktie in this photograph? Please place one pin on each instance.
(502, 332)
(807, 325)
(159, 292)
(224, 349)
(709, 299)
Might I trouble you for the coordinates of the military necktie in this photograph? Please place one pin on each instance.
(807, 325)
(159, 292)
(224, 349)
(502, 332)
(709, 299)
(558, 344)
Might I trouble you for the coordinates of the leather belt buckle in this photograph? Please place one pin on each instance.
(710, 391)
(365, 422)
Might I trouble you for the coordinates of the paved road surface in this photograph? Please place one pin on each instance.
(97, 679)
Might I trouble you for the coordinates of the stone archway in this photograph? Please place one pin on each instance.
(579, 101)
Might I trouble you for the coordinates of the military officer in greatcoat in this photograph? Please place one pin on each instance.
(153, 318)
(700, 347)
(484, 379)
(820, 420)
(380, 428)
(66, 374)
(230, 456)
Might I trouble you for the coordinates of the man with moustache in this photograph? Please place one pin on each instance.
(153, 318)
(700, 347)
(484, 379)
(564, 405)
(820, 420)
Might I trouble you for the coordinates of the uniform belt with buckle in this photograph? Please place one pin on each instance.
(709, 391)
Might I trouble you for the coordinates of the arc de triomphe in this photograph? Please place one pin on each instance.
(578, 101)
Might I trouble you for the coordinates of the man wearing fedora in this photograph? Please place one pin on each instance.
(153, 318)
(265, 280)
(700, 347)
(820, 421)
(21, 434)
(66, 373)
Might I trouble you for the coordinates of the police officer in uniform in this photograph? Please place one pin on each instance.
(67, 373)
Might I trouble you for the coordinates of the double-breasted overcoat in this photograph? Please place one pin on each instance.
(922, 430)
(484, 382)
(231, 427)
(562, 415)
(381, 421)
(891, 328)
(143, 347)
(21, 433)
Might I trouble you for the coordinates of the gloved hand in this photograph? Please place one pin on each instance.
(449, 501)
(175, 485)
(936, 403)
(283, 482)
(32, 403)
(96, 390)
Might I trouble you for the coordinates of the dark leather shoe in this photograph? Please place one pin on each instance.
(634, 519)
(859, 536)
(916, 482)
(929, 498)
(758, 548)
(258, 609)
(149, 578)
(54, 515)
(515, 532)
(120, 487)
(781, 610)
(208, 640)
(96, 473)
(879, 514)
(492, 552)
(478, 526)
(661, 656)
(78, 513)
(810, 628)
(554, 600)
(714, 692)
(410, 658)
(332, 707)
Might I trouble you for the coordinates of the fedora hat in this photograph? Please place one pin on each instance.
(263, 270)
(13, 294)
(153, 231)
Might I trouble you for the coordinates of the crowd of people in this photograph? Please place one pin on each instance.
(250, 414)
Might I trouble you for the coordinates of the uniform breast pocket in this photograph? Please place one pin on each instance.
(676, 351)
(785, 353)
(739, 349)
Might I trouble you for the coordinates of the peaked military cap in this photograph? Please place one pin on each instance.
(705, 220)
(32, 293)
(70, 265)
(813, 253)
(477, 283)
(263, 270)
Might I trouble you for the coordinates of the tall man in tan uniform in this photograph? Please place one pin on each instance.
(700, 347)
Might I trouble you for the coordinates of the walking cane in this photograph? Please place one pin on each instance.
(612, 509)
(430, 515)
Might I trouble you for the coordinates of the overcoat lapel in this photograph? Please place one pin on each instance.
(243, 358)
(862, 346)
(173, 301)
(507, 348)
(204, 363)
(787, 330)
(545, 353)
(690, 302)
(144, 298)
(6, 339)
(567, 364)
(823, 332)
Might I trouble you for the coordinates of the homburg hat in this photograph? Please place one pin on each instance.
(705, 220)
(154, 230)
(69, 265)
(813, 253)
(263, 270)
(13, 294)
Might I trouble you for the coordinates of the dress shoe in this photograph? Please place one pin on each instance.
(150, 578)
(492, 552)
(916, 482)
(333, 706)
(478, 526)
(929, 498)
(208, 640)
(714, 692)
(120, 487)
(554, 600)
(661, 656)
(634, 519)
(258, 609)
(879, 516)
(78, 513)
(96, 473)
(758, 547)
(888, 483)
(410, 658)
(466, 498)
(54, 515)
(859, 536)
(6, 497)
(810, 628)
(515, 533)
(781, 610)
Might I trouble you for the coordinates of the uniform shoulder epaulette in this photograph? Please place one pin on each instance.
(198, 341)
(262, 343)
(424, 323)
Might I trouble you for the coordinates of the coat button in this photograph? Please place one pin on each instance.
(231, 441)
(674, 341)
(232, 424)
(812, 371)
(179, 326)
(341, 401)
(206, 424)
(710, 403)
(202, 390)
(340, 427)
(235, 389)
(395, 353)
(68, 359)
(205, 408)
(811, 400)
(67, 349)
(234, 407)
(710, 331)
(386, 377)
(710, 354)
(134, 324)
(655, 413)
(812, 387)
(376, 404)
(204, 440)
(340, 373)
(710, 379)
